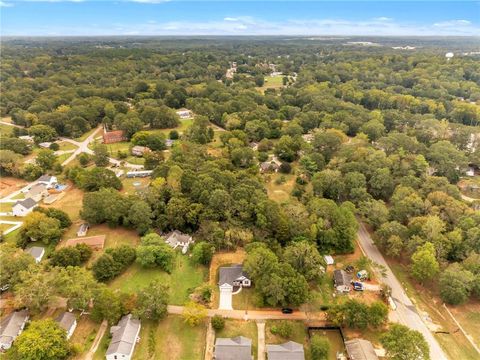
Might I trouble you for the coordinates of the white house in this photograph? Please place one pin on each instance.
(184, 114)
(178, 239)
(26, 138)
(470, 171)
(68, 322)
(47, 180)
(329, 259)
(45, 145)
(37, 253)
(11, 327)
(24, 207)
(230, 278)
(37, 192)
(124, 338)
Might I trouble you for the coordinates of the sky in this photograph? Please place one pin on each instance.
(177, 17)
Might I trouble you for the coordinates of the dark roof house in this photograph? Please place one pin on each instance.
(124, 338)
(360, 349)
(237, 348)
(37, 253)
(11, 327)
(342, 280)
(232, 275)
(287, 351)
(68, 322)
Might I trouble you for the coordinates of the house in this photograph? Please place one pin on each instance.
(308, 137)
(342, 281)
(237, 348)
(24, 207)
(124, 338)
(139, 150)
(470, 171)
(360, 349)
(269, 166)
(230, 278)
(47, 180)
(329, 260)
(178, 239)
(11, 327)
(37, 253)
(253, 145)
(287, 351)
(111, 137)
(184, 114)
(83, 229)
(37, 192)
(68, 322)
(26, 138)
(45, 145)
(95, 242)
(140, 173)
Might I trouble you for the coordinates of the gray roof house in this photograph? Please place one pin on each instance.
(23, 207)
(178, 239)
(47, 180)
(233, 276)
(37, 253)
(11, 327)
(124, 338)
(342, 280)
(360, 349)
(237, 348)
(287, 351)
(37, 192)
(68, 322)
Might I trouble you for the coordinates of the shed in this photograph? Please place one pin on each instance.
(83, 229)
(342, 281)
(360, 349)
(37, 253)
(329, 260)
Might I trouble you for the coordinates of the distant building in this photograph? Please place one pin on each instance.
(269, 166)
(329, 260)
(360, 349)
(237, 348)
(37, 253)
(111, 137)
(95, 242)
(26, 138)
(287, 351)
(48, 181)
(342, 281)
(230, 278)
(45, 145)
(124, 338)
(68, 322)
(24, 207)
(37, 192)
(139, 150)
(11, 327)
(470, 171)
(140, 173)
(184, 114)
(178, 239)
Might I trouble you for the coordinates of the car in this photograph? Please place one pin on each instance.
(287, 311)
(349, 269)
(357, 286)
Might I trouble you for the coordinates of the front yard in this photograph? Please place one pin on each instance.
(246, 329)
(299, 335)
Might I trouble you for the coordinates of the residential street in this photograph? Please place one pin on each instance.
(406, 313)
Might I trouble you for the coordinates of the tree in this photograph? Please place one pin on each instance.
(46, 159)
(105, 205)
(77, 285)
(35, 289)
(202, 253)
(401, 343)
(39, 227)
(42, 133)
(424, 263)
(97, 178)
(200, 130)
(107, 304)
(58, 214)
(52, 346)
(153, 251)
(113, 262)
(100, 155)
(377, 314)
(446, 160)
(139, 216)
(9, 163)
(13, 261)
(259, 80)
(218, 322)
(152, 301)
(319, 347)
(305, 258)
(193, 313)
(71, 256)
(455, 284)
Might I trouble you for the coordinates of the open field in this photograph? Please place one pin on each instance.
(183, 279)
(5, 130)
(235, 328)
(71, 202)
(279, 192)
(9, 185)
(272, 82)
(129, 187)
(66, 146)
(170, 339)
(184, 124)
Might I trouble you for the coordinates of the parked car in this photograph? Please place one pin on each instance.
(349, 269)
(357, 286)
(287, 311)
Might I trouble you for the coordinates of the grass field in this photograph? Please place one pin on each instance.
(71, 203)
(184, 124)
(183, 279)
(279, 192)
(84, 334)
(170, 339)
(235, 328)
(6, 130)
(103, 346)
(6, 207)
(87, 134)
(130, 189)
(335, 339)
(66, 146)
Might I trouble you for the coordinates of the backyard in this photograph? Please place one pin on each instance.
(299, 335)
(335, 340)
(246, 329)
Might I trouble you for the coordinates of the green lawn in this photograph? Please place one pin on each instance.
(299, 335)
(184, 278)
(103, 346)
(170, 339)
(130, 189)
(63, 157)
(335, 339)
(184, 124)
(19, 196)
(66, 146)
(87, 134)
(235, 328)
(6, 130)
(6, 207)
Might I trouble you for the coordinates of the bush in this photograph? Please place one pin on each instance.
(262, 156)
(122, 154)
(54, 147)
(319, 348)
(283, 328)
(202, 253)
(113, 262)
(173, 135)
(71, 256)
(285, 168)
(218, 322)
(83, 159)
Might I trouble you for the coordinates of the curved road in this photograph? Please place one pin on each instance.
(406, 312)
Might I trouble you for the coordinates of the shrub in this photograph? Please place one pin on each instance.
(282, 328)
(319, 348)
(285, 168)
(218, 322)
(54, 147)
(173, 135)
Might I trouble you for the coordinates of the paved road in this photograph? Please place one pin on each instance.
(406, 313)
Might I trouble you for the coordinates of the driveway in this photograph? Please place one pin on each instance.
(406, 312)
(225, 302)
(261, 339)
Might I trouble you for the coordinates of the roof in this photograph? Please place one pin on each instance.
(140, 148)
(329, 259)
(26, 203)
(174, 237)
(66, 320)
(228, 275)
(287, 351)
(360, 349)
(341, 277)
(237, 348)
(11, 326)
(113, 135)
(37, 189)
(93, 241)
(46, 178)
(124, 335)
(36, 251)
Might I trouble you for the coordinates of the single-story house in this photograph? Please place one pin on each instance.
(45, 145)
(268, 166)
(139, 173)
(178, 239)
(26, 138)
(11, 327)
(68, 322)
(308, 137)
(83, 229)
(124, 338)
(342, 281)
(24, 207)
(329, 260)
(470, 171)
(184, 114)
(237, 348)
(287, 351)
(110, 137)
(360, 349)
(37, 253)
(47, 180)
(37, 192)
(229, 278)
(50, 199)
(138, 150)
(95, 242)
(253, 145)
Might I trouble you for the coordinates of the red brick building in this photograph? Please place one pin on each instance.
(110, 137)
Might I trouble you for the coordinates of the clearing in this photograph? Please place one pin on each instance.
(279, 186)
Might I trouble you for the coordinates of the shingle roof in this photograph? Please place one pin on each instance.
(66, 320)
(287, 351)
(26, 203)
(45, 178)
(124, 335)
(36, 251)
(237, 348)
(228, 275)
(341, 278)
(37, 189)
(360, 349)
(11, 326)
(174, 237)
